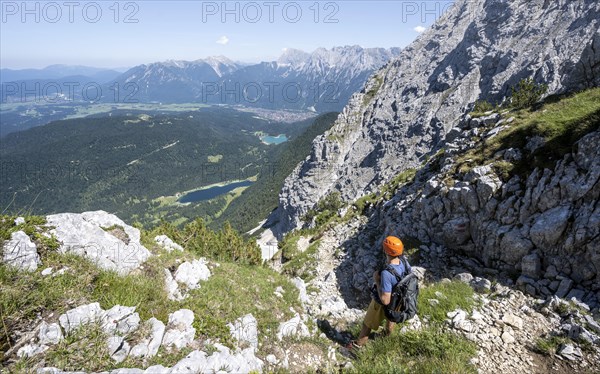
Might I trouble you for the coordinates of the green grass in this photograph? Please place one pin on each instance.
(548, 345)
(325, 210)
(303, 264)
(289, 247)
(426, 351)
(85, 349)
(233, 290)
(24, 294)
(559, 123)
(387, 192)
(364, 202)
(223, 245)
(481, 107)
(33, 227)
(429, 350)
(236, 290)
(369, 95)
(389, 189)
(456, 295)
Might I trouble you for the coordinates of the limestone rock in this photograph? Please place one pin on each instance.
(171, 286)
(118, 348)
(569, 352)
(412, 324)
(191, 273)
(301, 286)
(30, 350)
(481, 285)
(531, 266)
(198, 362)
(245, 330)
(549, 226)
(84, 235)
(243, 361)
(148, 346)
(293, 327)
(82, 315)
(464, 277)
(49, 334)
(507, 337)
(514, 246)
(20, 252)
(564, 287)
(513, 320)
(180, 332)
(120, 320)
(156, 369)
(422, 94)
(168, 244)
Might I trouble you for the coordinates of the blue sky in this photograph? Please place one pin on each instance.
(127, 33)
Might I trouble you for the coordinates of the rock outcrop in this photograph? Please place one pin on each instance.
(477, 50)
(543, 230)
(120, 323)
(188, 274)
(20, 252)
(101, 237)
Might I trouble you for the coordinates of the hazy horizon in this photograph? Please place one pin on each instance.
(124, 68)
(125, 34)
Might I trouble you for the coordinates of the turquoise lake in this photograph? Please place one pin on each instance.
(274, 139)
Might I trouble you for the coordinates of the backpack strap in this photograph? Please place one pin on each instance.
(393, 271)
(406, 266)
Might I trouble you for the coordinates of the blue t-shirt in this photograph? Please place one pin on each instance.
(388, 280)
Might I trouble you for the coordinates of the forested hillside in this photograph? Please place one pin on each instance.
(258, 200)
(125, 162)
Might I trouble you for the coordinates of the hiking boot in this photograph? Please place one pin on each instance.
(351, 349)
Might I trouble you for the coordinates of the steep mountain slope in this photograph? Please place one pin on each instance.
(173, 81)
(477, 50)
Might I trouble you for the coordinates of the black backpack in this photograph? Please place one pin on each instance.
(403, 303)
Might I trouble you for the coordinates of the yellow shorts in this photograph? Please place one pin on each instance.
(375, 315)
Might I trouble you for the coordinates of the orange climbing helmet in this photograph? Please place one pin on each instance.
(393, 246)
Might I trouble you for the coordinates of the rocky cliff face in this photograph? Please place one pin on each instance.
(543, 229)
(477, 50)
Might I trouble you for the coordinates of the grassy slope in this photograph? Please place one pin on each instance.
(233, 290)
(559, 123)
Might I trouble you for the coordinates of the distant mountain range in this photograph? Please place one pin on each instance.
(60, 71)
(321, 81)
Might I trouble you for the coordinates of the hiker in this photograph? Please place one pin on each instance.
(381, 292)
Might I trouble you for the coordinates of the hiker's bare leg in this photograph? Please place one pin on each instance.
(364, 335)
(390, 327)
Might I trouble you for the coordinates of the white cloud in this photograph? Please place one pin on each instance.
(420, 29)
(223, 40)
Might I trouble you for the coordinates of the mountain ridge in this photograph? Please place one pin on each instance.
(322, 80)
(419, 96)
